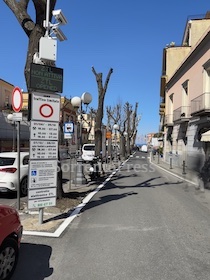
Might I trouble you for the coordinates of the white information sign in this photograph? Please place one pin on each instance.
(17, 116)
(43, 149)
(68, 136)
(44, 130)
(41, 203)
(45, 107)
(42, 174)
(42, 193)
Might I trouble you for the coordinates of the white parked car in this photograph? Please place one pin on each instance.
(144, 148)
(9, 174)
(88, 152)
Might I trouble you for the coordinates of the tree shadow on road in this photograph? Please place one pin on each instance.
(33, 262)
(107, 198)
(147, 183)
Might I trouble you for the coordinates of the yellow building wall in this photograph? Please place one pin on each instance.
(5, 94)
(198, 28)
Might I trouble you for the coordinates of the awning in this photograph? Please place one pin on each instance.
(205, 137)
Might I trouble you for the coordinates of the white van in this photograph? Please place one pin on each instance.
(143, 148)
(88, 152)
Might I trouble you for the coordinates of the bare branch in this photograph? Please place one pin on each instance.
(19, 9)
(107, 79)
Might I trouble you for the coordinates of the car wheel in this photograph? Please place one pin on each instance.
(24, 187)
(8, 258)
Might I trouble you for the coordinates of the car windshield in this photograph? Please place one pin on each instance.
(6, 161)
(89, 148)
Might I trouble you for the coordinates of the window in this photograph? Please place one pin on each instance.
(89, 147)
(185, 96)
(170, 108)
(6, 161)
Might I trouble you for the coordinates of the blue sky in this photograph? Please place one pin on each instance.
(128, 36)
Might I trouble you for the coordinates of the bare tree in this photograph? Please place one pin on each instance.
(127, 120)
(33, 30)
(100, 111)
(132, 124)
(118, 116)
(135, 122)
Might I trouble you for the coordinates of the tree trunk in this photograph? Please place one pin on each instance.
(100, 111)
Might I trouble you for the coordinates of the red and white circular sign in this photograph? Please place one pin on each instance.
(17, 99)
(46, 110)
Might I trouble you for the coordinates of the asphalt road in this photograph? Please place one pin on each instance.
(144, 224)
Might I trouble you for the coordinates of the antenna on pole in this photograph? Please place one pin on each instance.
(47, 21)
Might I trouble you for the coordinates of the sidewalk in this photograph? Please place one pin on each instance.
(189, 176)
(193, 184)
(183, 173)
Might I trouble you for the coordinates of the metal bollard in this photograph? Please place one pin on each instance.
(184, 166)
(158, 158)
(170, 162)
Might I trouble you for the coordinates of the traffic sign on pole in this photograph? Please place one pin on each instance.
(69, 127)
(17, 99)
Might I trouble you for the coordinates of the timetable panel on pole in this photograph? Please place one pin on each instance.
(43, 149)
(44, 130)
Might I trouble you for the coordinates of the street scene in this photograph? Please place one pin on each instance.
(105, 140)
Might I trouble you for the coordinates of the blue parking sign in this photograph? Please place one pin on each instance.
(69, 127)
(33, 172)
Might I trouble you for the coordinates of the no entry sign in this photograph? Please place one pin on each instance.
(17, 99)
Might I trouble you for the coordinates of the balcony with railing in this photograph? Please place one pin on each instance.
(181, 114)
(201, 105)
(162, 108)
(168, 121)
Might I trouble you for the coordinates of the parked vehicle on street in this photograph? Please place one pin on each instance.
(88, 152)
(94, 169)
(9, 173)
(144, 148)
(10, 237)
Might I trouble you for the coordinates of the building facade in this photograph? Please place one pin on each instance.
(185, 96)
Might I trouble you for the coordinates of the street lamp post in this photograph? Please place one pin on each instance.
(115, 127)
(77, 102)
(125, 134)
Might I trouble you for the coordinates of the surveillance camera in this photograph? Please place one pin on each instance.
(59, 16)
(58, 33)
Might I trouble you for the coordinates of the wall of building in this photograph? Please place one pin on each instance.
(5, 94)
(198, 28)
(174, 57)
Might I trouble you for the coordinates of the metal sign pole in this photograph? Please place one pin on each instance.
(18, 165)
(70, 163)
(41, 214)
